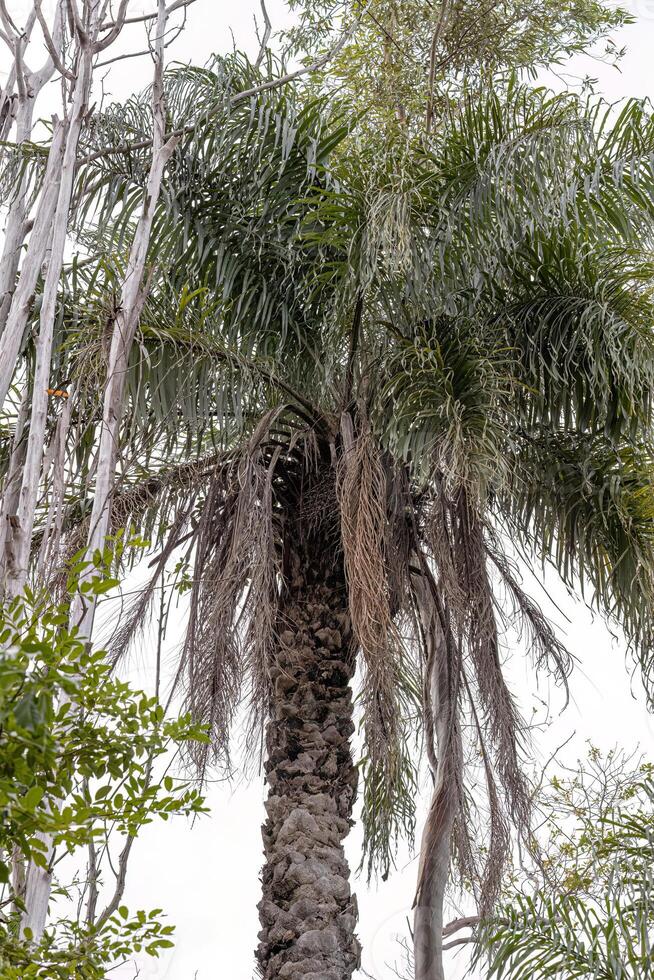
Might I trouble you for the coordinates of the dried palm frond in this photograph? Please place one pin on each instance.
(362, 494)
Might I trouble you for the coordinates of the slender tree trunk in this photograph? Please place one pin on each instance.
(27, 501)
(16, 225)
(132, 299)
(308, 913)
(39, 242)
(11, 486)
(436, 844)
(28, 87)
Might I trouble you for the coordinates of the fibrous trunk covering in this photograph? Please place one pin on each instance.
(307, 912)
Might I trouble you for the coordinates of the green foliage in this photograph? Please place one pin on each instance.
(595, 915)
(405, 62)
(79, 754)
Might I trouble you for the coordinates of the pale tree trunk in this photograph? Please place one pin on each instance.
(39, 241)
(11, 486)
(28, 87)
(133, 296)
(23, 524)
(133, 293)
(38, 880)
(435, 849)
(308, 913)
(90, 36)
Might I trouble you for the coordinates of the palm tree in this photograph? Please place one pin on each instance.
(356, 377)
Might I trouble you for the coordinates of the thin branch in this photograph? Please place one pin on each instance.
(124, 57)
(263, 43)
(467, 922)
(464, 941)
(115, 29)
(121, 878)
(50, 44)
(93, 872)
(43, 74)
(8, 41)
(143, 18)
(432, 63)
(10, 26)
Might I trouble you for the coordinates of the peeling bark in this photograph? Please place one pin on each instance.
(308, 913)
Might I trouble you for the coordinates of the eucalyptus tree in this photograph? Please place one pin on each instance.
(354, 376)
(18, 100)
(408, 61)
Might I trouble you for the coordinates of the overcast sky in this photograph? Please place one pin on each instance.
(207, 878)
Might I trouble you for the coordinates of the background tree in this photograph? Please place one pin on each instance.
(594, 915)
(408, 61)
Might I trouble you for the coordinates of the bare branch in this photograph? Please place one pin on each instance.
(74, 17)
(115, 900)
(8, 41)
(115, 29)
(144, 18)
(93, 872)
(10, 26)
(467, 922)
(123, 57)
(464, 941)
(50, 44)
(263, 43)
(43, 74)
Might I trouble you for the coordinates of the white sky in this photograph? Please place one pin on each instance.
(207, 878)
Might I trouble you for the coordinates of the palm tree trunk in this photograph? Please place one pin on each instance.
(308, 913)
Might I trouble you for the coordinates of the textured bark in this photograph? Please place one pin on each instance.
(308, 913)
